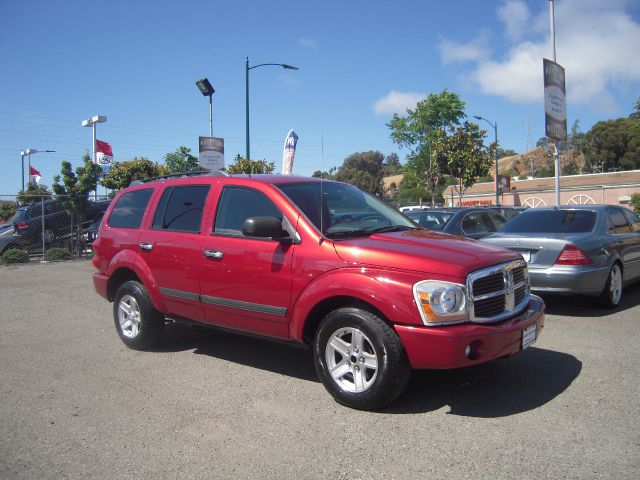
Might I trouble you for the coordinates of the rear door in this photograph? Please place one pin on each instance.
(633, 269)
(246, 282)
(624, 241)
(171, 246)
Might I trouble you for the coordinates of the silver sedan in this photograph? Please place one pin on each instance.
(586, 250)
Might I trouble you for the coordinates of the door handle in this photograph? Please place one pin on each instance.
(147, 247)
(215, 254)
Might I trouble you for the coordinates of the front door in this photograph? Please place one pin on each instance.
(246, 282)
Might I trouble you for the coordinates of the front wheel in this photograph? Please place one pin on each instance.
(360, 359)
(138, 323)
(612, 292)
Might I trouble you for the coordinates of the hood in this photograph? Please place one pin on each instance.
(423, 251)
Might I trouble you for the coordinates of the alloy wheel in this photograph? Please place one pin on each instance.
(351, 359)
(129, 316)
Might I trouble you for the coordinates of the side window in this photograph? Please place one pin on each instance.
(473, 223)
(633, 219)
(180, 208)
(128, 212)
(239, 203)
(617, 221)
(495, 222)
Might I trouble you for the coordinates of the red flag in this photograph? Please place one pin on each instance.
(34, 175)
(104, 154)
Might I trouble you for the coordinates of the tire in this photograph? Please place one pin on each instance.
(612, 292)
(369, 363)
(138, 323)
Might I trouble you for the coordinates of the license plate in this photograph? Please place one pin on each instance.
(526, 256)
(528, 336)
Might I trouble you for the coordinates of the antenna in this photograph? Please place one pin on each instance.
(321, 182)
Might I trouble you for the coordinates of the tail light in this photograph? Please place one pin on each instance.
(572, 255)
(22, 225)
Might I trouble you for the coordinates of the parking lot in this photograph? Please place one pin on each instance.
(76, 403)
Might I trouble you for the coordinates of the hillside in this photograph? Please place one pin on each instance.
(521, 164)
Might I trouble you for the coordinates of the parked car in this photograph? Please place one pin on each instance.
(471, 222)
(373, 295)
(588, 250)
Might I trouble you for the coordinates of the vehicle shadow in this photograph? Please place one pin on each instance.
(273, 356)
(497, 389)
(580, 306)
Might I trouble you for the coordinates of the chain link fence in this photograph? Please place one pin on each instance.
(49, 228)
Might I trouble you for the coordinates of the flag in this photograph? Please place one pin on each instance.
(34, 175)
(104, 155)
(289, 153)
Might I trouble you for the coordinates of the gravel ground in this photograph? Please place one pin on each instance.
(76, 403)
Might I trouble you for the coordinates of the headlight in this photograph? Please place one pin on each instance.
(441, 302)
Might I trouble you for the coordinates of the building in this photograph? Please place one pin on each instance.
(613, 188)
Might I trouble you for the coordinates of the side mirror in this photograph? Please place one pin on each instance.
(265, 227)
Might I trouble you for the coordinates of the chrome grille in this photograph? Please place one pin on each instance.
(498, 292)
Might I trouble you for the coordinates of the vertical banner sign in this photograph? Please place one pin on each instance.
(289, 153)
(211, 153)
(555, 103)
(104, 155)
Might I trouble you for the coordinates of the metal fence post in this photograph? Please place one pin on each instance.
(42, 232)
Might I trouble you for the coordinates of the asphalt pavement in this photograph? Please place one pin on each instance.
(76, 403)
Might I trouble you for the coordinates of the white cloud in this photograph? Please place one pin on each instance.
(515, 15)
(397, 102)
(597, 43)
(309, 43)
(476, 50)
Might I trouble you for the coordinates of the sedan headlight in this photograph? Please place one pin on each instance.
(441, 302)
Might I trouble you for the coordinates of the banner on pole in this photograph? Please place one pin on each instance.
(211, 153)
(104, 155)
(555, 102)
(289, 153)
(34, 175)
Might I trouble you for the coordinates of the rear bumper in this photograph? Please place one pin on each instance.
(569, 279)
(445, 347)
(100, 282)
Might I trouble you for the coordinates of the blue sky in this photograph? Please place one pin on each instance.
(137, 62)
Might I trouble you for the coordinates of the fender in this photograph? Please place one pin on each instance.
(389, 292)
(131, 260)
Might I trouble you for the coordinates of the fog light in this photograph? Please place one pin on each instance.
(475, 350)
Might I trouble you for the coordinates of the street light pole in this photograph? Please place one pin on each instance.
(246, 84)
(495, 131)
(91, 122)
(22, 154)
(207, 90)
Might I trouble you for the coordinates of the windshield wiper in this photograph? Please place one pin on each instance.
(348, 234)
(392, 228)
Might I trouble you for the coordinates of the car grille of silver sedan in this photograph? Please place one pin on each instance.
(498, 292)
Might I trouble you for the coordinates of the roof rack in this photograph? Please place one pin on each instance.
(194, 173)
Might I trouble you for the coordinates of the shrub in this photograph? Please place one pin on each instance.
(57, 253)
(635, 203)
(14, 255)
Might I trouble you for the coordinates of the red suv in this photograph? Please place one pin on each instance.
(315, 262)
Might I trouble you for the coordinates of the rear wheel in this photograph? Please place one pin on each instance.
(138, 323)
(612, 292)
(360, 359)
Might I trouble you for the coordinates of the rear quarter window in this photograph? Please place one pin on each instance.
(128, 211)
(552, 221)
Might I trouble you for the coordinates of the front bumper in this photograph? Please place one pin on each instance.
(569, 279)
(445, 347)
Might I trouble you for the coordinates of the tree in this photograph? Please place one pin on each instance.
(417, 129)
(74, 190)
(7, 210)
(242, 165)
(391, 165)
(33, 194)
(614, 144)
(501, 152)
(326, 175)
(363, 170)
(465, 155)
(181, 161)
(635, 203)
(122, 174)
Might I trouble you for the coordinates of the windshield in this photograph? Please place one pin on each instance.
(430, 220)
(344, 211)
(552, 221)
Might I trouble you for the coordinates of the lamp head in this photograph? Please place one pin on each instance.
(205, 87)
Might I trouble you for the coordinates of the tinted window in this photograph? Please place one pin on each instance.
(128, 212)
(180, 208)
(430, 220)
(237, 204)
(474, 223)
(552, 221)
(633, 220)
(19, 216)
(617, 221)
(496, 221)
